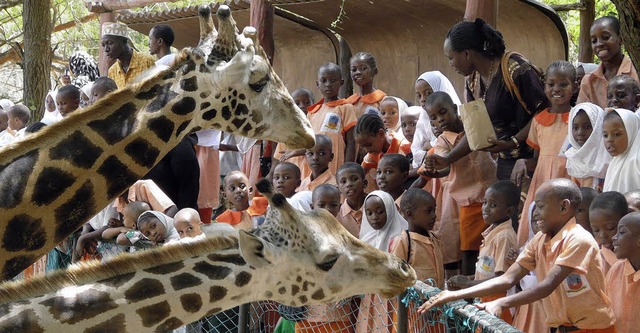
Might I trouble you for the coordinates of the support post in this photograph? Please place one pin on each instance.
(587, 16)
(484, 9)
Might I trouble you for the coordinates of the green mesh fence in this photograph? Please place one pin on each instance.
(358, 314)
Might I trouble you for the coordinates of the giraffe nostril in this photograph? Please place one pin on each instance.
(404, 267)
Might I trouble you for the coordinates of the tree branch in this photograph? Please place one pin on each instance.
(112, 5)
(4, 4)
(568, 7)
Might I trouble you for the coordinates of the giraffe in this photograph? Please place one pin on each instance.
(54, 181)
(294, 258)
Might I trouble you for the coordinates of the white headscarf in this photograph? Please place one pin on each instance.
(171, 233)
(591, 159)
(623, 174)
(381, 239)
(424, 134)
(402, 108)
(50, 117)
(5, 104)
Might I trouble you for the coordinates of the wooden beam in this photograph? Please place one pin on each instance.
(570, 6)
(261, 15)
(484, 9)
(111, 5)
(585, 53)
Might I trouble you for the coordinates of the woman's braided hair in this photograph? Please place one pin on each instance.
(478, 36)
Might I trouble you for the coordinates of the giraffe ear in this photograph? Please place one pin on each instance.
(255, 250)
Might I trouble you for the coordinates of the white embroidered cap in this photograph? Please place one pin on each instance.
(115, 29)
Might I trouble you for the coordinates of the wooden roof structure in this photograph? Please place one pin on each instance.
(406, 37)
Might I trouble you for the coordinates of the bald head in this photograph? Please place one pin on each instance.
(187, 223)
(563, 189)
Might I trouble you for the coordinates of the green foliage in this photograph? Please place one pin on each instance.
(571, 20)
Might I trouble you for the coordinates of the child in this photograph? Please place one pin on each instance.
(18, 117)
(623, 92)
(286, 178)
(546, 136)
(469, 177)
(419, 246)
(566, 261)
(351, 183)
(606, 43)
(371, 136)
(424, 138)
(68, 99)
(582, 212)
(380, 224)
(339, 316)
(587, 160)
(101, 87)
(619, 130)
(363, 70)
(326, 196)
(187, 223)
(318, 159)
(409, 121)
(391, 175)
(622, 284)
(604, 213)
(245, 214)
(333, 117)
(391, 109)
(303, 99)
(633, 200)
(51, 113)
(500, 203)
(157, 227)
(129, 234)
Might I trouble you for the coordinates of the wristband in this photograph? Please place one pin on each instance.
(515, 140)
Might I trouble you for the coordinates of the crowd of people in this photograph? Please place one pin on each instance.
(540, 224)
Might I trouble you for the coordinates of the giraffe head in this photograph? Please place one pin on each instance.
(229, 79)
(330, 264)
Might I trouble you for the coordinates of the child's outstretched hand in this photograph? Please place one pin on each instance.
(493, 307)
(441, 298)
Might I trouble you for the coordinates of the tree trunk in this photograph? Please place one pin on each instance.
(261, 17)
(629, 14)
(37, 54)
(587, 15)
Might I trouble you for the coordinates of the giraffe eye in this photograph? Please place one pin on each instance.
(258, 86)
(328, 264)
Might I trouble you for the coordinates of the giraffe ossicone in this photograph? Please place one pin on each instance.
(54, 181)
(294, 258)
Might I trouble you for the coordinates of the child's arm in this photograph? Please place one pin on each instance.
(350, 147)
(493, 286)
(419, 183)
(556, 275)
(123, 240)
(111, 233)
(86, 236)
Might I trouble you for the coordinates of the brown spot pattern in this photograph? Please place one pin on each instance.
(144, 289)
(191, 302)
(115, 324)
(217, 293)
(153, 314)
(86, 305)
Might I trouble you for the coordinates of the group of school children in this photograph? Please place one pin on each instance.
(566, 260)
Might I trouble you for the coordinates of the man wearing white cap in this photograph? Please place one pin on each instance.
(129, 63)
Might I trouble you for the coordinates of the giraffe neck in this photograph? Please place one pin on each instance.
(49, 191)
(135, 293)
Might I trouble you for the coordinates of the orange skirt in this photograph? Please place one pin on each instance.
(471, 227)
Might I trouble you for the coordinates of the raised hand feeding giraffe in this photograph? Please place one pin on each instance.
(295, 258)
(54, 181)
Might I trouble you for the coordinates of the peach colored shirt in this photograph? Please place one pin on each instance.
(309, 184)
(333, 119)
(608, 259)
(350, 218)
(246, 219)
(282, 148)
(580, 299)
(146, 190)
(498, 241)
(476, 171)
(364, 104)
(593, 87)
(425, 256)
(623, 289)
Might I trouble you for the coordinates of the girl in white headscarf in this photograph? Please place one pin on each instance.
(51, 112)
(391, 109)
(622, 174)
(587, 159)
(157, 227)
(381, 221)
(426, 84)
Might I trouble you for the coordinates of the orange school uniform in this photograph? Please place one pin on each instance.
(246, 219)
(623, 289)
(469, 178)
(366, 103)
(425, 256)
(593, 87)
(371, 161)
(350, 218)
(333, 119)
(608, 260)
(580, 299)
(309, 184)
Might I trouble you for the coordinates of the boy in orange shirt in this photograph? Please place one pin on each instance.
(351, 183)
(567, 263)
(318, 160)
(333, 117)
(246, 214)
(623, 280)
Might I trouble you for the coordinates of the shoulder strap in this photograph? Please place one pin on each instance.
(409, 246)
(508, 79)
